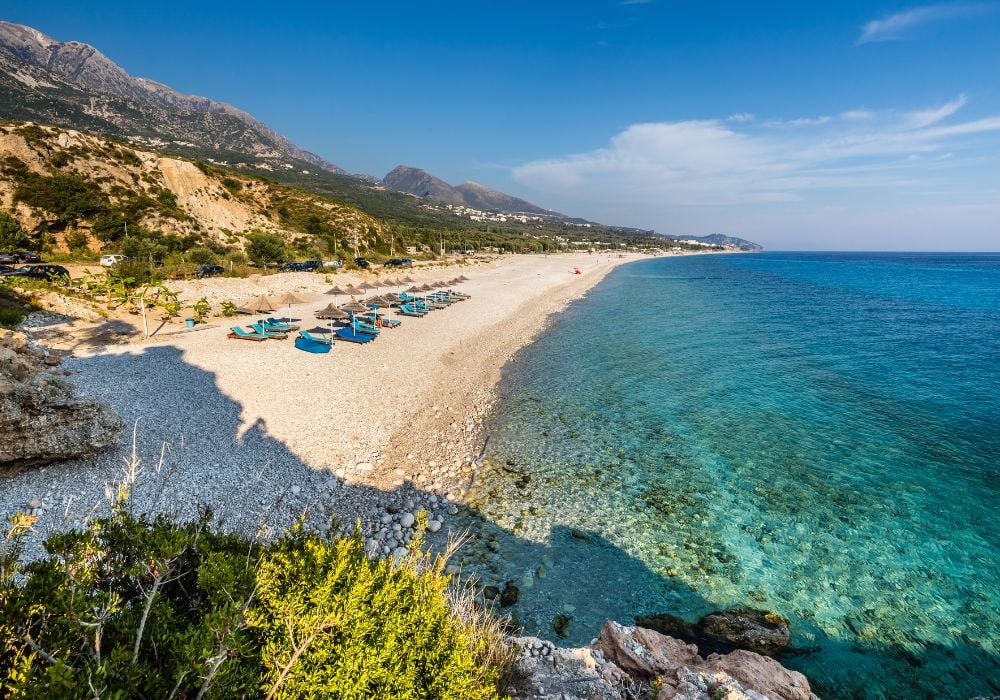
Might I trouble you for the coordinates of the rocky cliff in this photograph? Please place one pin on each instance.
(40, 418)
(632, 662)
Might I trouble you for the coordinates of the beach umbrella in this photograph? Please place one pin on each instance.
(354, 308)
(331, 313)
(463, 278)
(407, 280)
(289, 298)
(259, 304)
(336, 291)
(352, 290)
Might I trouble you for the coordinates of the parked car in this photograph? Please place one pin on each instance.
(334, 264)
(209, 270)
(8, 259)
(293, 267)
(26, 257)
(312, 265)
(112, 260)
(42, 272)
(398, 262)
(7, 270)
(362, 263)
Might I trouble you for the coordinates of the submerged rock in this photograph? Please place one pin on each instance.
(759, 631)
(510, 595)
(40, 419)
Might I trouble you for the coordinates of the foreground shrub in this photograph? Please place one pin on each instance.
(131, 607)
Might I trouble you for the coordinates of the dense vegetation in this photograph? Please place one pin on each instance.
(132, 607)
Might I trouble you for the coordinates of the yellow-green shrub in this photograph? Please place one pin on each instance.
(131, 607)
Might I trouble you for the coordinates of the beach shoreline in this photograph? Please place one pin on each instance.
(238, 427)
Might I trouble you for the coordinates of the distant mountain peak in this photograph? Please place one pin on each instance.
(73, 84)
(421, 183)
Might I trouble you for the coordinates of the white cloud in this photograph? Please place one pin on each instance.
(897, 26)
(726, 162)
(926, 117)
(740, 117)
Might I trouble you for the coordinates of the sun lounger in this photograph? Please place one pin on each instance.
(262, 330)
(315, 339)
(352, 336)
(277, 325)
(410, 310)
(240, 334)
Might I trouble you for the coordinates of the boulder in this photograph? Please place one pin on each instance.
(759, 631)
(754, 630)
(762, 673)
(40, 418)
(622, 662)
(565, 674)
(644, 654)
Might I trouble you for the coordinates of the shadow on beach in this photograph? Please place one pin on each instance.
(198, 449)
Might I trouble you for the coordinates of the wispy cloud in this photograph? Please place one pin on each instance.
(727, 161)
(901, 24)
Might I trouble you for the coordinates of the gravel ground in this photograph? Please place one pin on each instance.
(262, 433)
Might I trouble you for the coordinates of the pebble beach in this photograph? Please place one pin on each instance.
(263, 434)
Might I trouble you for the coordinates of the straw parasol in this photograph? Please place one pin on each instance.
(355, 307)
(261, 304)
(289, 298)
(336, 291)
(331, 312)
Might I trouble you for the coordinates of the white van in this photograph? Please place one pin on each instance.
(111, 260)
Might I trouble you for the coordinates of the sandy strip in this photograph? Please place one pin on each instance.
(251, 425)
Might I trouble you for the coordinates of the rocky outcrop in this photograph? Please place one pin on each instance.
(759, 631)
(40, 419)
(633, 662)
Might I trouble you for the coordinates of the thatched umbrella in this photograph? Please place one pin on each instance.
(463, 278)
(355, 308)
(407, 280)
(352, 290)
(261, 304)
(331, 313)
(289, 298)
(336, 291)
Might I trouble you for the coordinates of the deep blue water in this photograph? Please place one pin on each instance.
(815, 434)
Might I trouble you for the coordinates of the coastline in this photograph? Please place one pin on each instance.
(240, 427)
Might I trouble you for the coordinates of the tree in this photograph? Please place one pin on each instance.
(265, 248)
(12, 236)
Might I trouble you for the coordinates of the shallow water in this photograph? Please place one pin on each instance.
(815, 434)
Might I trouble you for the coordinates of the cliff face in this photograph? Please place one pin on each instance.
(40, 419)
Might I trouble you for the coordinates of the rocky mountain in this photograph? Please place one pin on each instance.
(73, 84)
(470, 194)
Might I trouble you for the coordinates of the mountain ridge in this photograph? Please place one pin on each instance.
(73, 84)
(419, 182)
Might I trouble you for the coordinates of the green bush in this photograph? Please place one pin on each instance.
(12, 236)
(10, 317)
(132, 607)
(77, 242)
(263, 248)
(202, 256)
(66, 195)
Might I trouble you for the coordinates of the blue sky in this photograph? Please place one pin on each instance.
(802, 125)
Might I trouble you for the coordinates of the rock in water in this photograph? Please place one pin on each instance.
(754, 630)
(40, 419)
(759, 631)
(510, 595)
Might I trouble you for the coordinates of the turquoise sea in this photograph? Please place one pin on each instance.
(814, 434)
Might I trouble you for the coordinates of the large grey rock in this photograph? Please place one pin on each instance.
(623, 661)
(40, 419)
